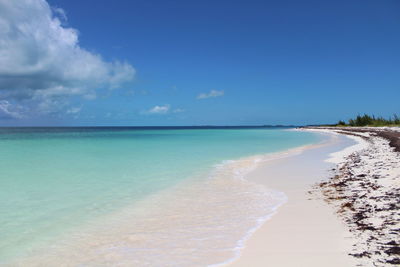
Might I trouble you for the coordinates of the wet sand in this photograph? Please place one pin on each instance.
(305, 231)
(342, 213)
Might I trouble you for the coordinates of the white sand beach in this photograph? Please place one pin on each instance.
(306, 231)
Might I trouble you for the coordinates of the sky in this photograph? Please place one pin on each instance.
(148, 62)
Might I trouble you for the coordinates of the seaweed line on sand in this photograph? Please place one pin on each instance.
(365, 191)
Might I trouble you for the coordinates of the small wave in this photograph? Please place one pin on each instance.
(200, 222)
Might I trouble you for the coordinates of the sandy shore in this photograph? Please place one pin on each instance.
(365, 193)
(308, 230)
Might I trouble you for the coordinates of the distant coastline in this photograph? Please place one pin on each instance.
(163, 127)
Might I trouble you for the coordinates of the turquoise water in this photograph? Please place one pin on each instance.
(53, 181)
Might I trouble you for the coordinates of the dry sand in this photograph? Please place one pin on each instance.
(305, 231)
(343, 207)
(365, 193)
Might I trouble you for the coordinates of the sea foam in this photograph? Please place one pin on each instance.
(199, 222)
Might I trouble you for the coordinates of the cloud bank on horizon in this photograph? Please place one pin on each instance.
(42, 63)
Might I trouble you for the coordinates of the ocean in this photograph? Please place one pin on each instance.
(134, 196)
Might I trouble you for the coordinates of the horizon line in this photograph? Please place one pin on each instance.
(153, 126)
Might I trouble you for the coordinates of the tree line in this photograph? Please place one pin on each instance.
(367, 120)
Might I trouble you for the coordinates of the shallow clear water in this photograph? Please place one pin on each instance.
(107, 191)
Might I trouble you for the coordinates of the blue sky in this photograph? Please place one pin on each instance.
(130, 62)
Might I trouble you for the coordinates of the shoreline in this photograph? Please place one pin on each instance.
(325, 223)
(299, 227)
(304, 231)
(365, 191)
(208, 222)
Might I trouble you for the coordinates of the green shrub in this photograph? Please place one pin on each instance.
(367, 120)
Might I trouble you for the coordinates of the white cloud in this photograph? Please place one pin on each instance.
(212, 93)
(159, 109)
(41, 59)
(60, 12)
(162, 109)
(7, 111)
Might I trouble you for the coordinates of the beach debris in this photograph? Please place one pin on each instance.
(365, 191)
